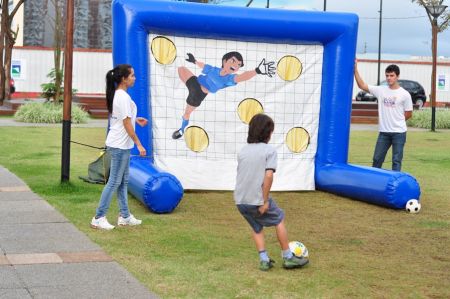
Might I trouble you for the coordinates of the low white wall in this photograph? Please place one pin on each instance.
(89, 69)
(419, 71)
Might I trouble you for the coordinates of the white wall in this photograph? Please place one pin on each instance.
(416, 71)
(89, 69)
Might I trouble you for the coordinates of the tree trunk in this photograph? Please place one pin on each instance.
(10, 40)
(7, 40)
(59, 35)
(3, 29)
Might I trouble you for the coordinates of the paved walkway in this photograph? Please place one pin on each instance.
(42, 255)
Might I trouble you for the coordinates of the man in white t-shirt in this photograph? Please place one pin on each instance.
(394, 108)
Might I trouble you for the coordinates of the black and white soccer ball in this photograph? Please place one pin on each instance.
(413, 206)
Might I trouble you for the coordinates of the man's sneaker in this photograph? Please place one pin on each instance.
(265, 266)
(294, 262)
(101, 223)
(177, 134)
(131, 220)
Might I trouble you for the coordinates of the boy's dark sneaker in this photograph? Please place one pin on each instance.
(177, 134)
(265, 266)
(294, 262)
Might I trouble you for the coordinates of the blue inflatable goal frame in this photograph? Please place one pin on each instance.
(134, 20)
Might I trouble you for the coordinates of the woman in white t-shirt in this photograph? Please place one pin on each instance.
(119, 142)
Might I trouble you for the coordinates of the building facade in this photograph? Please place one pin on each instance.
(92, 24)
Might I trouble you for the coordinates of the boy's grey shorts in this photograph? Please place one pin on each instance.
(272, 217)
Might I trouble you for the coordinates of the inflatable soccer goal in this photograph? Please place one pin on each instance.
(204, 70)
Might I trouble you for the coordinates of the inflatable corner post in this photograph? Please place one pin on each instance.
(296, 66)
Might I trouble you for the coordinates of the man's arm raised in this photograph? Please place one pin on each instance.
(361, 84)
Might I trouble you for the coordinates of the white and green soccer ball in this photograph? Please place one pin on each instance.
(298, 249)
(413, 206)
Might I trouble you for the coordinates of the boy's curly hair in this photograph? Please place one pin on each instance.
(260, 128)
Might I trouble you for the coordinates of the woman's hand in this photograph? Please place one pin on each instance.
(262, 209)
(141, 121)
(142, 151)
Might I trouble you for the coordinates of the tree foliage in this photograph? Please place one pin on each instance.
(51, 91)
(250, 2)
(444, 18)
(56, 74)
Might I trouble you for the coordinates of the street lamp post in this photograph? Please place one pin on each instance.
(433, 74)
(435, 11)
(67, 110)
(379, 42)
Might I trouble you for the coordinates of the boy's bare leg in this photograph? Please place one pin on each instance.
(282, 235)
(289, 260)
(259, 241)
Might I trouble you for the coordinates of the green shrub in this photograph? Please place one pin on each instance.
(54, 90)
(422, 119)
(48, 112)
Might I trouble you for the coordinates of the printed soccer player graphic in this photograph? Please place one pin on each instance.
(213, 79)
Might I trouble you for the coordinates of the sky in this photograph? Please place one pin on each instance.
(406, 29)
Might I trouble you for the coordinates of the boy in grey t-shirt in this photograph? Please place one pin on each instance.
(257, 163)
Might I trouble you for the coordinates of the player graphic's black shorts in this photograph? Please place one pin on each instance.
(196, 94)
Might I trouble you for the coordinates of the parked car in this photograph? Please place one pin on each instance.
(414, 88)
(12, 86)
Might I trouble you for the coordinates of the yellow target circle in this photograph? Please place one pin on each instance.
(248, 108)
(196, 139)
(297, 139)
(164, 50)
(289, 68)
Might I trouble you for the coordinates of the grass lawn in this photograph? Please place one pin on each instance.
(204, 250)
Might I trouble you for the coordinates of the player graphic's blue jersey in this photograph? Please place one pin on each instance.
(213, 81)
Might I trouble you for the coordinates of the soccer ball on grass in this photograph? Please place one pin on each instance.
(413, 206)
(298, 249)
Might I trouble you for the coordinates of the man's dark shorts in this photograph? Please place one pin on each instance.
(196, 94)
(272, 217)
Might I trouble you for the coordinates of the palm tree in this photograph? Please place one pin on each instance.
(250, 2)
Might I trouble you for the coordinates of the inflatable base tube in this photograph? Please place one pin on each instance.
(373, 185)
(159, 191)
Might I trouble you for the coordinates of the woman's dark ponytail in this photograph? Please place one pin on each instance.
(110, 89)
(113, 78)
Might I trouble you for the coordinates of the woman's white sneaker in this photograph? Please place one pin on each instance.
(101, 223)
(131, 220)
